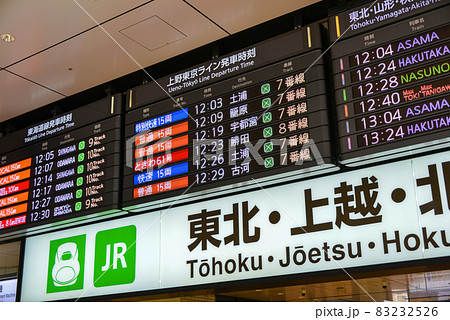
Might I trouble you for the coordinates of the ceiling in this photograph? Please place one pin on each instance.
(63, 47)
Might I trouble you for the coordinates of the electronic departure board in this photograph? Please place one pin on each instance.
(64, 168)
(260, 113)
(392, 86)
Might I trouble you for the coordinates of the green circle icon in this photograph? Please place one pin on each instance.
(81, 145)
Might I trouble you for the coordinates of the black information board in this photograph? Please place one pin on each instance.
(266, 118)
(352, 17)
(392, 87)
(64, 168)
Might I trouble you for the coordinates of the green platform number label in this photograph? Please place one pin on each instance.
(269, 162)
(267, 117)
(115, 257)
(66, 264)
(79, 193)
(266, 103)
(81, 157)
(79, 181)
(78, 206)
(80, 168)
(81, 145)
(265, 88)
(267, 132)
(268, 147)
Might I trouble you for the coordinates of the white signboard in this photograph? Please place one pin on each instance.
(391, 213)
(8, 290)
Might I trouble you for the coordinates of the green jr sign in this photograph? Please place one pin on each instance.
(115, 257)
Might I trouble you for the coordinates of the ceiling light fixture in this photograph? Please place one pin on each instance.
(7, 37)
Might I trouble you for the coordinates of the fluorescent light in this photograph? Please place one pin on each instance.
(7, 37)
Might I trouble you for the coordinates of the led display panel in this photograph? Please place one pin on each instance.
(61, 169)
(259, 114)
(391, 80)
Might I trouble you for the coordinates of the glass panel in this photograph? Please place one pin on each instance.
(9, 259)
